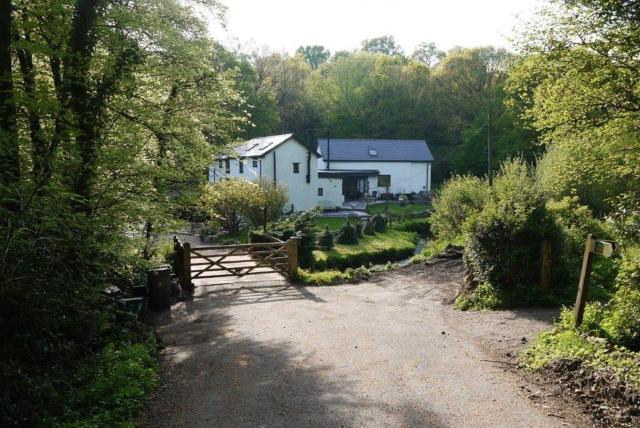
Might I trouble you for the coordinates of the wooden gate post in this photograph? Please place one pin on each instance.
(292, 256)
(545, 264)
(585, 274)
(177, 257)
(186, 268)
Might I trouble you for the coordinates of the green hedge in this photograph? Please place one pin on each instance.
(420, 227)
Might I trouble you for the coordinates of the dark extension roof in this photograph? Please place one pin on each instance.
(331, 173)
(375, 150)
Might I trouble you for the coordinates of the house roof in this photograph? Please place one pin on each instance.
(330, 173)
(258, 147)
(374, 150)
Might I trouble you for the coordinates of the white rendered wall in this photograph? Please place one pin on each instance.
(331, 192)
(301, 194)
(406, 177)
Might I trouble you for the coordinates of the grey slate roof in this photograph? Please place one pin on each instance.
(386, 150)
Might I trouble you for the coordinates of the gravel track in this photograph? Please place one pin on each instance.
(387, 352)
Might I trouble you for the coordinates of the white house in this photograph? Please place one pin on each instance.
(279, 158)
(351, 168)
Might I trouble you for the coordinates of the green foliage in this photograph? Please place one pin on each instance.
(119, 109)
(503, 241)
(575, 222)
(433, 248)
(113, 386)
(622, 324)
(460, 198)
(487, 296)
(396, 211)
(575, 86)
(379, 223)
(385, 247)
(608, 337)
(421, 227)
(325, 241)
(332, 277)
(347, 235)
(382, 45)
(237, 202)
(314, 55)
(304, 225)
(625, 217)
(359, 228)
(568, 344)
(369, 228)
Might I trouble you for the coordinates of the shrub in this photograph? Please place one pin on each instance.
(379, 223)
(325, 241)
(304, 223)
(235, 202)
(461, 197)
(504, 239)
(421, 227)
(114, 386)
(369, 228)
(575, 222)
(359, 228)
(347, 235)
(622, 324)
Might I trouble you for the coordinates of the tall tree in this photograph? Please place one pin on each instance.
(579, 87)
(314, 55)
(382, 45)
(427, 53)
(9, 152)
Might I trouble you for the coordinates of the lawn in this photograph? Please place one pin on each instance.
(334, 223)
(390, 246)
(396, 210)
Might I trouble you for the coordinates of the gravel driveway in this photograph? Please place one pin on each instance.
(388, 352)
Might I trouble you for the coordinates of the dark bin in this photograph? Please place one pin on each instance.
(159, 281)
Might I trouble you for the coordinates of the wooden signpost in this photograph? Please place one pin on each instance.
(593, 246)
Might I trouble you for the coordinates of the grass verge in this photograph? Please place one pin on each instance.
(392, 245)
(333, 276)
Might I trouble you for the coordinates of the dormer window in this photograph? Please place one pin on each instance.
(373, 152)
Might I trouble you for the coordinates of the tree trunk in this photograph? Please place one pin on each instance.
(41, 169)
(9, 149)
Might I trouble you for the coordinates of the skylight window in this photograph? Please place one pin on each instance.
(265, 146)
(373, 152)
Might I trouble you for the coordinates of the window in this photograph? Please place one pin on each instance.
(320, 191)
(296, 167)
(227, 166)
(384, 180)
(255, 163)
(220, 163)
(240, 166)
(373, 152)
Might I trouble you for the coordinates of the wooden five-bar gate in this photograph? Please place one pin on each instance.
(219, 261)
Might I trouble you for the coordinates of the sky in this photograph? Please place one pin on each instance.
(284, 25)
